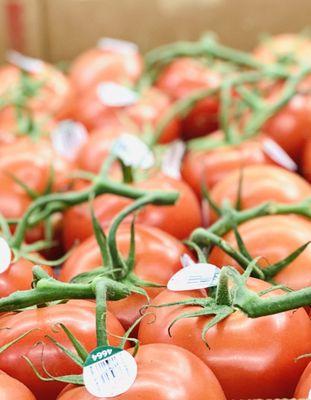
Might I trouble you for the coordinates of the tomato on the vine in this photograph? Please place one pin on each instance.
(165, 372)
(12, 389)
(238, 345)
(304, 385)
(306, 160)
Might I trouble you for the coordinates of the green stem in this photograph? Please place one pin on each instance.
(127, 172)
(222, 291)
(101, 313)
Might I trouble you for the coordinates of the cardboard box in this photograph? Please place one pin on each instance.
(60, 29)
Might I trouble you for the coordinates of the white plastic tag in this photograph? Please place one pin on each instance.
(28, 64)
(117, 45)
(68, 137)
(194, 276)
(112, 94)
(133, 152)
(5, 255)
(278, 155)
(186, 261)
(172, 159)
(109, 371)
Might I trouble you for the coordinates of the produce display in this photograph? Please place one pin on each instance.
(155, 223)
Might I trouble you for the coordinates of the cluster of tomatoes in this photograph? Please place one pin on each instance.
(229, 135)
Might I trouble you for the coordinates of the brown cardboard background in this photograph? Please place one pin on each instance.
(60, 29)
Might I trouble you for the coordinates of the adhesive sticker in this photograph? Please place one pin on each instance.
(172, 159)
(112, 94)
(186, 261)
(194, 276)
(68, 137)
(5, 255)
(28, 64)
(109, 371)
(278, 155)
(117, 45)
(133, 152)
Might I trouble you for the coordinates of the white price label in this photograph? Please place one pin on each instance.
(117, 46)
(194, 276)
(28, 64)
(109, 371)
(172, 159)
(5, 255)
(68, 137)
(278, 155)
(133, 152)
(112, 94)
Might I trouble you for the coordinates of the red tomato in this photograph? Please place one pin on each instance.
(182, 78)
(99, 64)
(273, 238)
(77, 316)
(55, 95)
(211, 166)
(157, 258)
(290, 127)
(304, 385)
(179, 220)
(148, 110)
(12, 389)
(306, 161)
(165, 372)
(242, 352)
(260, 183)
(18, 277)
(286, 45)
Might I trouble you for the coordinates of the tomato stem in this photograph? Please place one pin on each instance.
(101, 313)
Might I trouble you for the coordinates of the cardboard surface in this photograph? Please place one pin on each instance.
(60, 29)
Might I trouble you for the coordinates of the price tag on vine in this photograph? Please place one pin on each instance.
(194, 276)
(28, 64)
(5, 255)
(117, 45)
(133, 152)
(172, 159)
(68, 137)
(109, 371)
(112, 94)
(278, 155)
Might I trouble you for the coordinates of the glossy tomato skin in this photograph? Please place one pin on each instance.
(260, 183)
(179, 220)
(183, 77)
(211, 166)
(150, 107)
(238, 345)
(306, 161)
(79, 318)
(274, 238)
(12, 389)
(97, 65)
(165, 372)
(304, 385)
(18, 277)
(157, 258)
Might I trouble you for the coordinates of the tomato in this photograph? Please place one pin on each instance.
(306, 161)
(180, 79)
(260, 183)
(157, 258)
(12, 389)
(179, 220)
(290, 127)
(77, 316)
(147, 111)
(18, 277)
(241, 350)
(165, 372)
(273, 238)
(293, 47)
(304, 385)
(55, 95)
(100, 64)
(211, 166)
